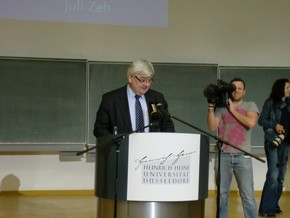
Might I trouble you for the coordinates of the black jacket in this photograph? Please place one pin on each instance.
(114, 111)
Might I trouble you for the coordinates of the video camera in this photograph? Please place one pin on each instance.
(219, 94)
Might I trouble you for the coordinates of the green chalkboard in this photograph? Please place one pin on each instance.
(51, 104)
(42, 103)
(181, 84)
(259, 81)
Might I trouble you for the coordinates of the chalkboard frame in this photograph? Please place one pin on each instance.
(47, 72)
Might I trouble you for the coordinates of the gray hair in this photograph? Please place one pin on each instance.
(141, 66)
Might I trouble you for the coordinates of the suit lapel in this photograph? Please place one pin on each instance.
(124, 108)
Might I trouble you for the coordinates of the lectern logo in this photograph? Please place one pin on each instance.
(169, 169)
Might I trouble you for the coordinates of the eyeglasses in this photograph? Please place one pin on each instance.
(142, 80)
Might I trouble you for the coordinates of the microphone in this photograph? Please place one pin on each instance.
(160, 108)
(142, 128)
(154, 114)
(115, 130)
(162, 111)
(155, 117)
(225, 87)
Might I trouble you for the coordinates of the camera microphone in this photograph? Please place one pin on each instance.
(228, 88)
(225, 87)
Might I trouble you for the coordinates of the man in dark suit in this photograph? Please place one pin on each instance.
(117, 108)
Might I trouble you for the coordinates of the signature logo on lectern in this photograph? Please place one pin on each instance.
(170, 159)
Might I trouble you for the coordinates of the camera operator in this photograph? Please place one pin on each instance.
(234, 123)
(274, 119)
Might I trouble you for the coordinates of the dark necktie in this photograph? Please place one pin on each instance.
(139, 115)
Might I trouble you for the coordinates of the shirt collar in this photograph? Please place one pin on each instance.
(130, 92)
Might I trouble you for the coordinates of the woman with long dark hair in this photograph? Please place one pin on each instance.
(274, 119)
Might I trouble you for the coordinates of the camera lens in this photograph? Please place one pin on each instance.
(278, 140)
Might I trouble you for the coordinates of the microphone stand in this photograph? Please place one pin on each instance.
(220, 142)
(117, 142)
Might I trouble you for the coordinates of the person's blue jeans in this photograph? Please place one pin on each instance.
(273, 185)
(241, 166)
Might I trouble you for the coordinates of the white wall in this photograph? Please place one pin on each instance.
(226, 32)
(44, 172)
(47, 172)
